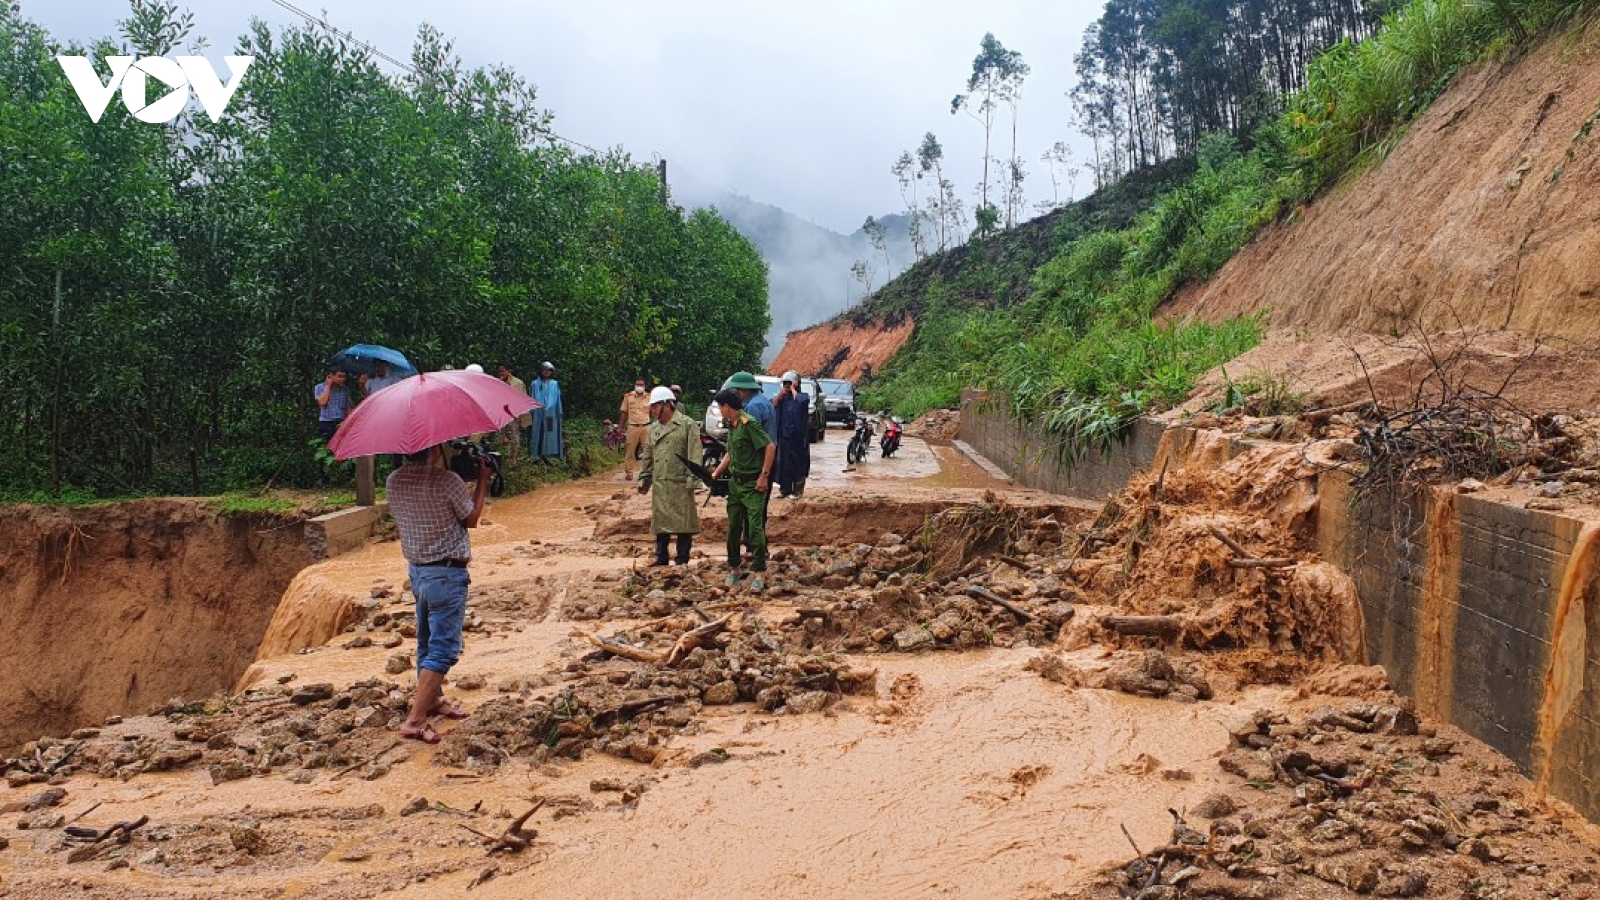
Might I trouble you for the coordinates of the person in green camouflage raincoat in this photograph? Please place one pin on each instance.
(672, 510)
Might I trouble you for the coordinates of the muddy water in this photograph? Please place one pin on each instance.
(967, 776)
(1563, 680)
(1436, 630)
(323, 599)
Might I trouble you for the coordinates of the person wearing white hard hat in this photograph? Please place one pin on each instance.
(794, 437)
(672, 438)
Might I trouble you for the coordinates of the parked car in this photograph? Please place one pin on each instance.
(838, 400)
(770, 386)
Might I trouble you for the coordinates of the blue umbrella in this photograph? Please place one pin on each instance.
(362, 359)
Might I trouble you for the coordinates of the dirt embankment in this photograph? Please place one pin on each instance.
(113, 609)
(890, 717)
(1483, 215)
(841, 349)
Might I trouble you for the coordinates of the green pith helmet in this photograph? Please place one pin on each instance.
(744, 381)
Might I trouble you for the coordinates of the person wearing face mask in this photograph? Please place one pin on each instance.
(635, 416)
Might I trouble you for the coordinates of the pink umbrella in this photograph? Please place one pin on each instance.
(434, 407)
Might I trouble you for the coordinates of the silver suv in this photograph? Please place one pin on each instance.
(838, 400)
(770, 386)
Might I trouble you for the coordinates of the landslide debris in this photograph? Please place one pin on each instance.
(1358, 799)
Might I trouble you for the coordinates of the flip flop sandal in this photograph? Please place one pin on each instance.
(425, 734)
(448, 710)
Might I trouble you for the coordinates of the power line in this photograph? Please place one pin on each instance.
(373, 49)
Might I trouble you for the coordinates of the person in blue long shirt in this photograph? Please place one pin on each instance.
(545, 441)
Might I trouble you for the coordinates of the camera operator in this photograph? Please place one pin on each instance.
(433, 509)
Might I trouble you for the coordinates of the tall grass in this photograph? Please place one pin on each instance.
(1081, 355)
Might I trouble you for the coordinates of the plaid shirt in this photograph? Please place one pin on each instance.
(428, 504)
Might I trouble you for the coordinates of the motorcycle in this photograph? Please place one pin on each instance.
(712, 451)
(613, 436)
(891, 437)
(860, 442)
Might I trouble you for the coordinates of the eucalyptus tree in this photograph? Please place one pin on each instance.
(930, 161)
(997, 75)
(907, 176)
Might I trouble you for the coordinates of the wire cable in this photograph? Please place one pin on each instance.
(407, 67)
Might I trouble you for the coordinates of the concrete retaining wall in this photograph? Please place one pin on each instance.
(1037, 460)
(343, 530)
(1463, 596)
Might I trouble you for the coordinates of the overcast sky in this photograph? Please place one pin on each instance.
(801, 105)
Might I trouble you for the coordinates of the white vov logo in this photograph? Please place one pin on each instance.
(129, 75)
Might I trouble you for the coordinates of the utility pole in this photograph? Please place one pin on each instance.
(662, 168)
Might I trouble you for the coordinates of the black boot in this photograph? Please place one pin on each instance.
(661, 548)
(684, 540)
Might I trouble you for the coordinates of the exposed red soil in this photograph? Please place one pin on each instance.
(114, 609)
(1483, 215)
(841, 349)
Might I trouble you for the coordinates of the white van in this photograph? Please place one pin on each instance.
(770, 385)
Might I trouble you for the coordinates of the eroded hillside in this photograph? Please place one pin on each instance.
(1483, 215)
(844, 349)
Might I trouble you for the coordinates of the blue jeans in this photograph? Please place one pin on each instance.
(441, 594)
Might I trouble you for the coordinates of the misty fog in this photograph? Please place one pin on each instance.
(809, 266)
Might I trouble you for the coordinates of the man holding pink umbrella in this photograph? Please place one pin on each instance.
(433, 508)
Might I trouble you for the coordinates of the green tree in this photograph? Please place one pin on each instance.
(997, 75)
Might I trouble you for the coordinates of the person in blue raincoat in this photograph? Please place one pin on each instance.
(545, 440)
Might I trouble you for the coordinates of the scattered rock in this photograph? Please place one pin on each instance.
(1216, 806)
(398, 664)
(473, 682)
(248, 840)
(721, 694)
(43, 820)
(414, 806)
(311, 693)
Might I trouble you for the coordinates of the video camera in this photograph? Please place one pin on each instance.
(467, 459)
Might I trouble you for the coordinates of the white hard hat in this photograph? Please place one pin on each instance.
(474, 367)
(661, 395)
(791, 375)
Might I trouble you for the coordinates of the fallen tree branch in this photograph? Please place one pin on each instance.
(633, 706)
(62, 760)
(1271, 562)
(691, 639)
(514, 839)
(988, 596)
(1237, 548)
(624, 651)
(361, 762)
(1013, 561)
(1317, 416)
(124, 830)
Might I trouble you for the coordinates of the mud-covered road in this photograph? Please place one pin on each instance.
(927, 703)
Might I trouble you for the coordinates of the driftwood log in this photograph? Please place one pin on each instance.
(624, 651)
(1271, 562)
(691, 639)
(988, 596)
(1145, 626)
